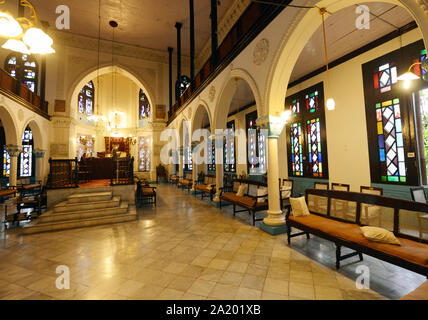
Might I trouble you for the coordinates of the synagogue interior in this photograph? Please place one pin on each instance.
(214, 150)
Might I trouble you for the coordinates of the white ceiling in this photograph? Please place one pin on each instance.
(343, 37)
(145, 23)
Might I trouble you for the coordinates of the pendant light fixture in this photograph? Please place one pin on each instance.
(331, 104)
(114, 25)
(24, 35)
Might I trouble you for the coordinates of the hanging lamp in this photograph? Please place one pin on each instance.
(331, 104)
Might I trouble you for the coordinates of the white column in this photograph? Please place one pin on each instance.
(219, 166)
(13, 170)
(274, 125)
(275, 216)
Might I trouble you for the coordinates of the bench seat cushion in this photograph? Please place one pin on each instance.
(245, 201)
(409, 250)
(421, 293)
(204, 188)
(147, 191)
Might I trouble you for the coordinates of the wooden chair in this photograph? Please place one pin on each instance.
(285, 192)
(10, 213)
(371, 212)
(343, 205)
(145, 193)
(418, 195)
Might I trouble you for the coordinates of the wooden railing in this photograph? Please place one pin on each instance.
(254, 19)
(63, 174)
(123, 171)
(20, 93)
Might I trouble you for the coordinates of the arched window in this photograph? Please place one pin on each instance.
(144, 105)
(24, 68)
(182, 86)
(86, 99)
(26, 160)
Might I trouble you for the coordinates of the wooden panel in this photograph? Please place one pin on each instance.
(59, 105)
(250, 17)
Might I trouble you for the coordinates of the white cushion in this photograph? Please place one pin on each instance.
(299, 207)
(261, 192)
(381, 235)
(241, 190)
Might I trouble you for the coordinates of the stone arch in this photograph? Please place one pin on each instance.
(226, 95)
(94, 72)
(196, 117)
(304, 27)
(9, 125)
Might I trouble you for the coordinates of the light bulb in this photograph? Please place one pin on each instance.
(16, 45)
(331, 104)
(406, 84)
(9, 27)
(38, 41)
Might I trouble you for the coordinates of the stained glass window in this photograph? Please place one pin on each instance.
(229, 148)
(86, 99)
(256, 146)
(144, 105)
(6, 163)
(211, 155)
(314, 147)
(24, 68)
(296, 149)
(417, 68)
(26, 157)
(312, 103)
(390, 141)
(295, 107)
(385, 76)
(187, 154)
(182, 86)
(144, 154)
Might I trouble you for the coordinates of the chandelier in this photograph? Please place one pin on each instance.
(24, 35)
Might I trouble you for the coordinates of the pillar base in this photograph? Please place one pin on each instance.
(274, 219)
(273, 230)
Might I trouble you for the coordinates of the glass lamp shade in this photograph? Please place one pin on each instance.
(331, 104)
(38, 41)
(9, 27)
(16, 45)
(408, 76)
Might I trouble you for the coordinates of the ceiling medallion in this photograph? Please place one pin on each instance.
(212, 93)
(260, 52)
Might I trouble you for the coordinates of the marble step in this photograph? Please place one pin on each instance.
(34, 227)
(51, 216)
(75, 207)
(90, 197)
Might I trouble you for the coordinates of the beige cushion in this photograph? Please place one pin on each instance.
(261, 192)
(379, 235)
(299, 207)
(241, 190)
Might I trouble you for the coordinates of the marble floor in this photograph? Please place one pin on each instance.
(185, 248)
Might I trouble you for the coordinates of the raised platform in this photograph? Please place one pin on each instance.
(125, 192)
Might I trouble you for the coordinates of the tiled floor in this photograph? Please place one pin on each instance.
(185, 249)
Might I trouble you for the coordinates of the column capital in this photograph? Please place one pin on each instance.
(13, 150)
(273, 124)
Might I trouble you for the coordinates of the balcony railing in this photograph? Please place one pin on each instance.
(20, 93)
(254, 19)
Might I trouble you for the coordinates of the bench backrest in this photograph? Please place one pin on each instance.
(402, 217)
(188, 176)
(209, 179)
(252, 187)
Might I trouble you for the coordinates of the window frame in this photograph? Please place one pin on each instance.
(146, 105)
(303, 116)
(85, 97)
(20, 69)
(230, 125)
(373, 96)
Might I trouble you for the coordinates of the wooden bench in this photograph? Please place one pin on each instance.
(173, 179)
(208, 186)
(250, 201)
(186, 181)
(398, 216)
(420, 293)
(145, 193)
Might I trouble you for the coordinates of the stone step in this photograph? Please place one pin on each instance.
(36, 227)
(90, 197)
(50, 216)
(65, 206)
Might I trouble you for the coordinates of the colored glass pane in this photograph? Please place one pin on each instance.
(144, 154)
(6, 163)
(314, 147)
(86, 99)
(390, 142)
(296, 149)
(144, 105)
(229, 148)
(384, 77)
(312, 102)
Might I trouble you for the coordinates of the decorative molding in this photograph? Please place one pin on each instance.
(424, 6)
(69, 39)
(261, 52)
(212, 94)
(273, 124)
